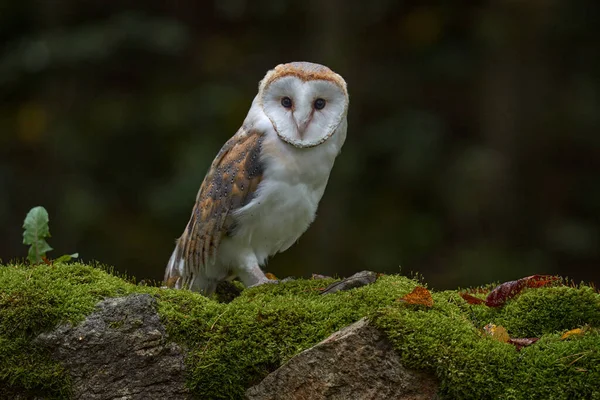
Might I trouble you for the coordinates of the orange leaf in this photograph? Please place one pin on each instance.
(170, 283)
(271, 276)
(506, 291)
(420, 296)
(471, 299)
(572, 332)
(496, 332)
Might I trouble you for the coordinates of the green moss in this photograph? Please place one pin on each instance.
(26, 369)
(471, 366)
(232, 346)
(35, 299)
(547, 310)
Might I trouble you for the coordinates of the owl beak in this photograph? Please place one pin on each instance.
(302, 121)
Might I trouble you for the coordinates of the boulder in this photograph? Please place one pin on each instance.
(357, 362)
(120, 352)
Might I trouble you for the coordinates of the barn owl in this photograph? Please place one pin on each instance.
(263, 188)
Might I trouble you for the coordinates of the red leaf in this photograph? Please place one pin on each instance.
(506, 291)
(519, 343)
(536, 281)
(471, 299)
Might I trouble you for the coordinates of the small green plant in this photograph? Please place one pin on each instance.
(36, 230)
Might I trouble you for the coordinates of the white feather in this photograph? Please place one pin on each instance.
(286, 201)
(298, 151)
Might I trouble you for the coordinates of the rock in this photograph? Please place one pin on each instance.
(359, 279)
(357, 362)
(120, 352)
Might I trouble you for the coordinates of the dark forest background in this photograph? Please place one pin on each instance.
(473, 150)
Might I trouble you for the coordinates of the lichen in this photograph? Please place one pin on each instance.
(232, 346)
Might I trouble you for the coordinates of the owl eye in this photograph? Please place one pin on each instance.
(320, 104)
(286, 102)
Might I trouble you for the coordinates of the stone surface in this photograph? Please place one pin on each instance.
(359, 279)
(120, 352)
(357, 362)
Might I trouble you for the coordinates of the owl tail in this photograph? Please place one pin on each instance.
(174, 270)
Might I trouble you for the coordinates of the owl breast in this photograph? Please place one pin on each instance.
(287, 198)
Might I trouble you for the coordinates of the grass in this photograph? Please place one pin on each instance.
(233, 346)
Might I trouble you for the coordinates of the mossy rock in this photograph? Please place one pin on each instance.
(233, 346)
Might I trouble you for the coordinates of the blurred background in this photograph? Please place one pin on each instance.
(473, 151)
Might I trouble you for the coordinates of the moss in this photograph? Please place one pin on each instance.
(232, 346)
(471, 366)
(35, 299)
(26, 369)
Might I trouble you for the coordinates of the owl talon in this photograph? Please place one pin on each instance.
(268, 281)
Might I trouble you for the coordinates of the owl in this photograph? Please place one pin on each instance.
(263, 188)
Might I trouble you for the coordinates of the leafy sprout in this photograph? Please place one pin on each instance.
(36, 230)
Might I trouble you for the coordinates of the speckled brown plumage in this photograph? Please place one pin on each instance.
(229, 185)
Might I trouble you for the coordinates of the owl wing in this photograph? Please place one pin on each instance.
(229, 185)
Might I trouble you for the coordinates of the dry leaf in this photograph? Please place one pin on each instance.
(500, 334)
(420, 296)
(506, 291)
(519, 343)
(496, 332)
(170, 283)
(471, 299)
(572, 332)
(271, 276)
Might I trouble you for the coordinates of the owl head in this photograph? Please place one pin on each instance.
(305, 102)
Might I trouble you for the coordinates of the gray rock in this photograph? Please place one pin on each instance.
(120, 352)
(357, 362)
(359, 279)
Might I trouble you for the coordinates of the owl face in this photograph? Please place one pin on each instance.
(305, 102)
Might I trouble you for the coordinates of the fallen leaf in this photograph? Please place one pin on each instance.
(572, 332)
(271, 276)
(496, 332)
(170, 283)
(536, 281)
(506, 291)
(519, 343)
(420, 296)
(471, 299)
